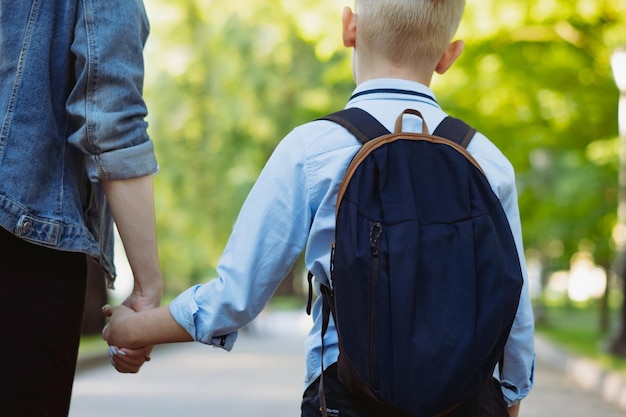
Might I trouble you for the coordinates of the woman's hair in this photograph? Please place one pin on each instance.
(413, 32)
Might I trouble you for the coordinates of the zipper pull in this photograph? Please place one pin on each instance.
(375, 233)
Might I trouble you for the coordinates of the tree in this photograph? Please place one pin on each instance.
(536, 78)
(225, 83)
(618, 62)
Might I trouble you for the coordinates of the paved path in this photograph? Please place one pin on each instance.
(556, 396)
(262, 377)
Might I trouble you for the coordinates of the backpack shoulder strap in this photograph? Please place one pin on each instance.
(358, 122)
(366, 127)
(456, 130)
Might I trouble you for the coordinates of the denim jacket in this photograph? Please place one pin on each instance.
(71, 115)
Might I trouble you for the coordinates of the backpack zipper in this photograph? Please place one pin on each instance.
(375, 234)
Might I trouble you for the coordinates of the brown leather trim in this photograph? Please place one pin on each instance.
(400, 119)
(392, 137)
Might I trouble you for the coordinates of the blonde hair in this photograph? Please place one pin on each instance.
(408, 32)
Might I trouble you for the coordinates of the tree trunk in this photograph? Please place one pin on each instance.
(619, 343)
(287, 286)
(95, 298)
(604, 312)
(618, 346)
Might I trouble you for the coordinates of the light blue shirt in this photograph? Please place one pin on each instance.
(291, 209)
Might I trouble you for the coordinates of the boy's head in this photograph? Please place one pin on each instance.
(407, 32)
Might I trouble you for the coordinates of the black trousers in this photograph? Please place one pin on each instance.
(489, 402)
(43, 293)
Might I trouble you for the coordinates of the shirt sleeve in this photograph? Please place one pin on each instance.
(517, 375)
(268, 236)
(518, 366)
(106, 108)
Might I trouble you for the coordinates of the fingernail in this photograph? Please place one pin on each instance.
(113, 351)
(121, 352)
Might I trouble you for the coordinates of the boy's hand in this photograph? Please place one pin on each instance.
(125, 360)
(116, 331)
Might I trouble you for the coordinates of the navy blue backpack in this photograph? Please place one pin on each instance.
(425, 273)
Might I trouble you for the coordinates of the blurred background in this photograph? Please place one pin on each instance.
(225, 81)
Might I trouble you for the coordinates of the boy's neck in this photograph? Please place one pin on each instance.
(397, 75)
(365, 71)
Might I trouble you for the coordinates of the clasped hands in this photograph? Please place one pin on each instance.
(125, 357)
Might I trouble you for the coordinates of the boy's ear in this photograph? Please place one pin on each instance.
(453, 51)
(348, 19)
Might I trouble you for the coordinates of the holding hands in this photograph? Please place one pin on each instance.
(124, 359)
(125, 356)
(132, 333)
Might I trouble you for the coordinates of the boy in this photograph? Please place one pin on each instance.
(398, 45)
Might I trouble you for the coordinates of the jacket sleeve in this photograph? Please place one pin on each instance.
(106, 108)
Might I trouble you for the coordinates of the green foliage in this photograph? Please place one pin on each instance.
(535, 77)
(227, 80)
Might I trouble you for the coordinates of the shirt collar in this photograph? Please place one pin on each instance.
(393, 88)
